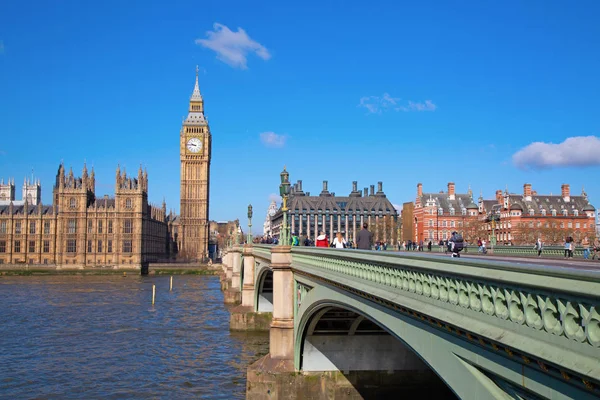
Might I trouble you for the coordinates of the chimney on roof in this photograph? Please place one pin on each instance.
(379, 187)
(534, 192)
(366, 191)
(451, 193)
(566, 192)
(105, 197)
(372, 190)
(308, 193)
(419, 189)
(354, 186)
(299, 185)
(499, 197)
(324, 192)
(527, 191)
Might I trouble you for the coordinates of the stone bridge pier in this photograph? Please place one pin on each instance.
(227, 273)
(233, 293)
(247, 315)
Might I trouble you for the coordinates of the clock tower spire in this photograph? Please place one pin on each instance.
(196, 102)
(194, 155)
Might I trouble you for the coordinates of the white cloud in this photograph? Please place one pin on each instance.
(578, 151)
(232, 47)
(379, 104)
(417, 106)
(271, 139)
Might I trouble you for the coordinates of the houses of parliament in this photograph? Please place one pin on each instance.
(80, 229)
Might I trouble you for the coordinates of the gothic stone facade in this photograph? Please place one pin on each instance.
(80, 230)
(195, 152)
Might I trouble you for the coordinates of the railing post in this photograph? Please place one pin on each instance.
(248, 286)
(281, 346)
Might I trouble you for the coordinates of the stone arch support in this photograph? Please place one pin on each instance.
(263, 289)
(469, 369)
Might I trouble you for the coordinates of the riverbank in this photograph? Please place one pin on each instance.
(158, 269)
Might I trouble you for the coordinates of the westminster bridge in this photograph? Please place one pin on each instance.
(364, 324)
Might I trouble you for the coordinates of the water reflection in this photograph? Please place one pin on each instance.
(100, 337)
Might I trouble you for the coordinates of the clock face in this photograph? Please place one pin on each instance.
(194, 145)
(272, 212)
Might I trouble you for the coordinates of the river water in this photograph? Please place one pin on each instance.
(94, 337)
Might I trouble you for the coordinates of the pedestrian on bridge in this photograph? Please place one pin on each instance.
(539, 246)
(339, 242)
(586, 247)
(322, 240)
(596, 249)
(364, 239)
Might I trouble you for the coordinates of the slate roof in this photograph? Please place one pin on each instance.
(549, 203)
(105, 202)
(442, 200)
(542, 202)
(196, 118)
(377, 202)
(31, 210)
(341, 204)
(491, 205)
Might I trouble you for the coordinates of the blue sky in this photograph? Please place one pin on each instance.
(399, 92)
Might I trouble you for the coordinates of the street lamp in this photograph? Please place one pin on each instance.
(284, 191)
(249, 240)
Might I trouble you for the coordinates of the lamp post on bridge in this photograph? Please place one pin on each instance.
(249, 239)
(284, 191)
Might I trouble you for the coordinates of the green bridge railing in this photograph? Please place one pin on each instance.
(527, 251)
(544, 313)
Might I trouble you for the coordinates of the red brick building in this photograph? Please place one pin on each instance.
(437, 215)
(515, 218)
(522, 218)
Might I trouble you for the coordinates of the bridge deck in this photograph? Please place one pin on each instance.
(555, 262)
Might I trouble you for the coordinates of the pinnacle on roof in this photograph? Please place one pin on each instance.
(196, 96)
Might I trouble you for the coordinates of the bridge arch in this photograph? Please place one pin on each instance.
(263, 293)
(331, 323)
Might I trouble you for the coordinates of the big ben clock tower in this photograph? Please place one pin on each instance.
(194, 154)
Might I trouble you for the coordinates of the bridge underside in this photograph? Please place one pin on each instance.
(374, 362)
(264, 294)
(333, 333)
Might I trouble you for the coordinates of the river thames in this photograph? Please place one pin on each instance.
(88, 337)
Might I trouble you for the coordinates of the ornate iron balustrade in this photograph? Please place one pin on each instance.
(554, 251)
